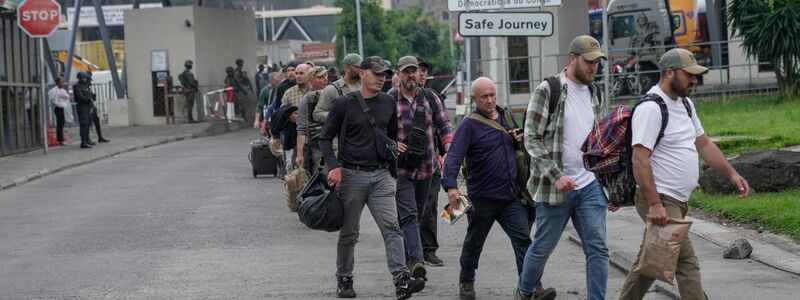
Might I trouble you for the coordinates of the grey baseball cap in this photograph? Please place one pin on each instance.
(352, 59)
(586, 46)
(407, 61)
(374, 64)
(678, 58)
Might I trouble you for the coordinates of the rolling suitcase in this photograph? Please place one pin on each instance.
(261, 158)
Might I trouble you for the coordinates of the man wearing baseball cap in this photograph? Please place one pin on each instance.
(561, 113)
(363, 174)
(349, 83)
(420, 116)
(667, 170)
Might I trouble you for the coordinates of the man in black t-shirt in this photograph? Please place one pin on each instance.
(363, 177)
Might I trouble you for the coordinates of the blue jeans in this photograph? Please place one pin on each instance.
(411, 197)
(375, 189)
(587, 209)
(513, 218)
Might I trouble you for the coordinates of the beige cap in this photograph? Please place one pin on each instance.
(586, 46)
(407, 61)
(317, 71)
(678, 58)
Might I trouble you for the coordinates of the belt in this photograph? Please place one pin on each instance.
(365, 168)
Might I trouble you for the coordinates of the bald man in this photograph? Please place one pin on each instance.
(486, 139)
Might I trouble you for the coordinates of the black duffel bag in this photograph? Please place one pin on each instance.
(319, 208)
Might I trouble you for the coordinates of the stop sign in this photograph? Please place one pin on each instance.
(39, 18)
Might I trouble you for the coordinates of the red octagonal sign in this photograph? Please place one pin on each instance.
(39, 18)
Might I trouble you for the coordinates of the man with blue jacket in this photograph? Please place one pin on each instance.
(491, 183)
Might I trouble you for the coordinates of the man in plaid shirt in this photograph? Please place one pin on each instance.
(560, 185)
(414, 178)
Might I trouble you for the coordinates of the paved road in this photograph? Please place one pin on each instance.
(187, 220)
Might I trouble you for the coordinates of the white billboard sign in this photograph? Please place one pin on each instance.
(464, 5)
(113, 14)
(505, 24)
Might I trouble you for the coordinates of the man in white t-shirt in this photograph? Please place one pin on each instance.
(667, 173)
(560, 185)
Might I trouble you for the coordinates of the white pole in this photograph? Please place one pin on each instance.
(504, 62)
(272, 19)
(264, 22)
(541, 49)
(358, 24)
(606, 81)
(42, 96)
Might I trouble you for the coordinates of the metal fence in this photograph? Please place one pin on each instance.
(632, 71)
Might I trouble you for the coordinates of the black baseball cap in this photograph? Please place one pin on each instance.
(375, 64)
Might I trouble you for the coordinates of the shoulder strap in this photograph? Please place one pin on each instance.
(338, 88)
(510, 117)
(592, 89)
(688, 107)
(487, 121)
(343, 129)
(664, 113)
(555, 96)
(365, 108)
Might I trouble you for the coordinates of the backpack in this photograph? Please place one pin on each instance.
(608, 153)
(522, 158)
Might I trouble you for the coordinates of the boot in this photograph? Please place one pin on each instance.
(344, 288)
(85, 145)
(406, 285)
(102, 140)
(90, 142)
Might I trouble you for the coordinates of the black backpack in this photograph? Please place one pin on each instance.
(617, 177)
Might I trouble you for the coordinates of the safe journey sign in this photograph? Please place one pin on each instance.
(463, 5)
(505, 24)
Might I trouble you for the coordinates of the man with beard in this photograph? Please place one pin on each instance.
(349, 82)
(666, 170)
(420, 116)
(561, 187)
(308, 154)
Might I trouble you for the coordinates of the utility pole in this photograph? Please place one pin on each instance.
(358, 24)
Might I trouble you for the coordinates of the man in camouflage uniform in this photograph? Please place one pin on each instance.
(189, 84)
(243, 93)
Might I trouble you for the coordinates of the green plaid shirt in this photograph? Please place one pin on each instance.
(544, 140)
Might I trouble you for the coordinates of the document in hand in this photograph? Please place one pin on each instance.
(453, 215)
(661, 248)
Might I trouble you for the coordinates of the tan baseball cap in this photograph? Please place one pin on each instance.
(586, 46)
(407, 61)
(679, 58)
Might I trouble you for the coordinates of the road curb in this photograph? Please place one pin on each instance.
(210, 131)
(623, 261)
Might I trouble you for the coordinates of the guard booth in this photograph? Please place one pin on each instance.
(20, 118)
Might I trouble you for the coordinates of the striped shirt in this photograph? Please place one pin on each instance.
(544, 140)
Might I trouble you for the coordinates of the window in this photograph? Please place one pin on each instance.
(622, 27)
(518, 67)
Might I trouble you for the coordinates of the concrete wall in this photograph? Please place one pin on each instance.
(215, 39)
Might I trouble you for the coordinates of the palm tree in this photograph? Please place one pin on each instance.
(771, 28)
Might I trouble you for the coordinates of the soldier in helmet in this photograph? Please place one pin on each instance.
(243, 96)
(83, 98)
(189, 84)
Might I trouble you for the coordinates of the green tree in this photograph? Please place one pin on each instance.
(377, 38)
(394, 33)
(771, 28)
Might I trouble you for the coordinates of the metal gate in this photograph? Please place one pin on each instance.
(20, 119)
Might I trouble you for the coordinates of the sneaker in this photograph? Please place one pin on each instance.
(519, 296)
(418, 271)
(544, 294)
(466, 290)
(344, 288)
(407, 285)
(432, 259)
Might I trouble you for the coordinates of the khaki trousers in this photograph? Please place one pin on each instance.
(688, 273)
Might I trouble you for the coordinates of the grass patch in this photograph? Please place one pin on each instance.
(777, 212)
(772, 124)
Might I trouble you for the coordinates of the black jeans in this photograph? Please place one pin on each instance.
(513, 218)
(429, 215)
(59, 112)
(83, 121)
